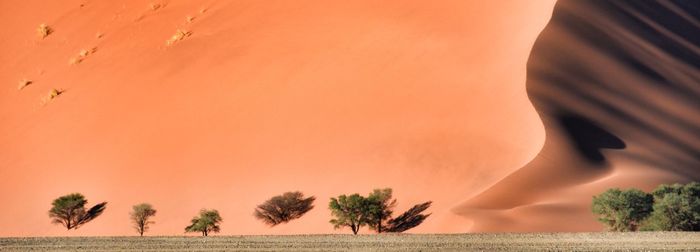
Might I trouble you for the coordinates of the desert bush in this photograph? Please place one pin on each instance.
(69, 211)
(140, 216)
(44, 31)
(207, 221)
(676, 208)
(284, 208)
(622, 210)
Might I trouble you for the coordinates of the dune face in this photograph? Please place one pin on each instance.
(223, 104)
(616, 84)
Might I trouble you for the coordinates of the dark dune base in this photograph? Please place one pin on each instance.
(647, 241)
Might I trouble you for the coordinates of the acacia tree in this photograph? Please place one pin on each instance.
(349, 211)
(284, 208)
(409, 219)
(140, 216)
(676, 208)
(623, 210)
(69, 211)
(207, 221)
(379, 208)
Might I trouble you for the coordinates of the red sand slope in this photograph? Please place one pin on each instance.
(616, 86)
(260, 97)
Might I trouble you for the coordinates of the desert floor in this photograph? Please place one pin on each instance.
(646, 241)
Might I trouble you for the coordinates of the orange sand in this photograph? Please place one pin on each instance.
(261, 97)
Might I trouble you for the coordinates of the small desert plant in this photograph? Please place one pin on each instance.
(207, 221)
(24, 83)
(44, 30)
(140, 216)
(82, 55)
(284, 208)
(69, 211)
(179, 35)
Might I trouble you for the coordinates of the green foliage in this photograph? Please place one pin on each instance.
(409, 219)
(380, 206)
(284, 208)
(207, 221)
(69, 211)
(676, 208)
(349, 211)
(623, 210)
(375, 211)
(140, 216)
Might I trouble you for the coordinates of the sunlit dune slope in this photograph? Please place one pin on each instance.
(222, 104)
(616, 84)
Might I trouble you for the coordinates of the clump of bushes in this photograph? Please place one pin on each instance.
(668, 208)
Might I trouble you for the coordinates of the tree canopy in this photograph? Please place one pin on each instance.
(676, 208)
(284, 208)
(623, 210)
(207, 222)
(140, 216)
(349, 211)
(70, 211)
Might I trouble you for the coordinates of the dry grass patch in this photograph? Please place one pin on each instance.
(82, 55)
(179, 35)
(44, 31)
(53, 94)
(23, 83)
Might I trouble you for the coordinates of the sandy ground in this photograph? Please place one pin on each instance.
(645, 241)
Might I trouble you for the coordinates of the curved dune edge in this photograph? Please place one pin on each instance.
(607, 95)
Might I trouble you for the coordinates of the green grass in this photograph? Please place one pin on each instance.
(640, 241)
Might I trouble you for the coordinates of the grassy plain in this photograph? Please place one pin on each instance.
(605, 241)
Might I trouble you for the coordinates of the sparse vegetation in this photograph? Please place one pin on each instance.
(69, 211)
(207, 222)
(599, 241)
(668, 208)
(140, 216)
(284, 208)
(23, 83)
(623, 210)
(82, 55)
(676, 208)
(44, 31)
(375, 211)
(179, 35)
(349, 211)
(53, 93)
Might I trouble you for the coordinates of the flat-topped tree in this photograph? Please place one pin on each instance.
(349, 211)
(284, 208)
(70, 212)
(140, 216)
(207, 222)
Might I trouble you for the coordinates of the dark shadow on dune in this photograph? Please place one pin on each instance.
(595, 58)
(589, 138)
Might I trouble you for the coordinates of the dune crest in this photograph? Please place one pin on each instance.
(616, 86)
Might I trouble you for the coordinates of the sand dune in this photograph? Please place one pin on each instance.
(616, 86)
(221, 104)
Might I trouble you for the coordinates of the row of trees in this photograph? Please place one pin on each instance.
(353, 211)
(668, 208)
